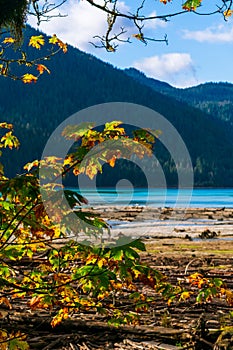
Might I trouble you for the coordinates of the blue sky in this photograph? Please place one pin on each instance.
(200, 48)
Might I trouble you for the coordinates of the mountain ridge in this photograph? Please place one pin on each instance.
(213, 98)
(79, 80)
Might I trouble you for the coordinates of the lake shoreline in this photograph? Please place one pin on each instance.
(147, 222)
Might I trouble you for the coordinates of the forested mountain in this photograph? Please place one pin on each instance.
(215, 99)
(79, 80)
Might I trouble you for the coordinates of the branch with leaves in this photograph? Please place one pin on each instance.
(139, 17)
(13, 18)
(33, 68)
(44, 263)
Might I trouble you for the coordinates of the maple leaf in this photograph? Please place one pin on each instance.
(10, 140)
(8, 40)
(55, 40)
(191, 5)
(112, 161)
(5, 125)
(62, 45)
(41, 68)
(29, 78)
(185, 295)
(228, 13)
(17, 343)
(31, 165)
(36, 41)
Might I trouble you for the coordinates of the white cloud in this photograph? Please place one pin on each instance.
(82, 22)
(154, 23)
(212, 34)
(175, 68)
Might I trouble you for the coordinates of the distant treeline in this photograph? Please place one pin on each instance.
(79, 80)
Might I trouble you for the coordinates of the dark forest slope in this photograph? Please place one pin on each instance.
(79, 80)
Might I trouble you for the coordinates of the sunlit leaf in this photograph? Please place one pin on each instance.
(41, 68)
(8, 40)
(228, 13)
(9, 140)
(191, 5)
(36, 41)
(29, 78)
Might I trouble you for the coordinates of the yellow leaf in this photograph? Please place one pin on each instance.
(53, 40)
(29, 78)
(68, 160)
(169, 302)
(8, 40)
(101, 262)
(228, 13)
(185, 295)
(10, 140)
(36, 41)
(29, 166)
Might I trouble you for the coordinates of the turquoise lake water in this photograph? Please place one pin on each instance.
(160, 197)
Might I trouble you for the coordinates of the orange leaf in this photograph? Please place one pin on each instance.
(54, 40)
(5, 301)
(62, 46)
(5, 125)
(35, 301)
(112, 161)
(41, 68)
(165, 1)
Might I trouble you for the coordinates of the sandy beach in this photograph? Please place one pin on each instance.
(147, 222)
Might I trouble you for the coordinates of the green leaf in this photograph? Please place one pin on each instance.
(191, 5)
(200, 297)
(17, 344)
(74, 198)
(112, 125)
(131, 254)
(217, 282)
(77, 131)
(117, 254)
(138, 244)
(104, 281)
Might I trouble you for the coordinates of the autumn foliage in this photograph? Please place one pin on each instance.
(65, 276)
(13, 19)
(34, 67)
